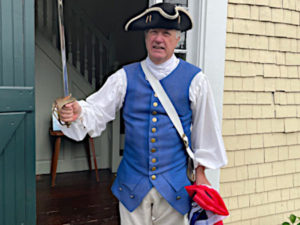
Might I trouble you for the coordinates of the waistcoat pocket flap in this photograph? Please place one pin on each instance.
(130, 181)
(132, 185)
(177, 181)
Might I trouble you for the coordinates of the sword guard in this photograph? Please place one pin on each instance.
(57, 106)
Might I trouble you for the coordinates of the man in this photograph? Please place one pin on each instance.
(152, 175)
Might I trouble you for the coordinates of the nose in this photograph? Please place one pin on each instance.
(158, 37)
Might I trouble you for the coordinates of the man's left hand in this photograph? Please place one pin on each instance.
(201, 177)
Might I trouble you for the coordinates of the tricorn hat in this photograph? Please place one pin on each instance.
(161, 15)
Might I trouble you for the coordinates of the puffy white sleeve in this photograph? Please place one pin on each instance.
(207, 142)
(99, 108)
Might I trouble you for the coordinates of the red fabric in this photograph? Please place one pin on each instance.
(219, 223)
(208, 199)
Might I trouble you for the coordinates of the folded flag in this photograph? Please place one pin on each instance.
(208, 207)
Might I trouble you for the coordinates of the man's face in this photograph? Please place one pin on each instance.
(160, 44)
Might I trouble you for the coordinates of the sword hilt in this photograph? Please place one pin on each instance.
(58, 104)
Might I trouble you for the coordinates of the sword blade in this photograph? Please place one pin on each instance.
(62, 47)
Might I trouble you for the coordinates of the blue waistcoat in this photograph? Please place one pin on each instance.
(154, 155)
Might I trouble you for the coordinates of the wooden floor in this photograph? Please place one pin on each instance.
(77, 199)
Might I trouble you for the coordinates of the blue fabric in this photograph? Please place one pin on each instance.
(197, 215)
(134, 177)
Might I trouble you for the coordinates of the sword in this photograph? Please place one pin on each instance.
(60, 102)
(62, 46)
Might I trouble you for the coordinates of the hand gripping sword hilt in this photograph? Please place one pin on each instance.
(57, 106)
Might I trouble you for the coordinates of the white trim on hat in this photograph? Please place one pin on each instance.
(162, 12)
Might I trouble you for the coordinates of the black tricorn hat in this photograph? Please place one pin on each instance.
(161, 15)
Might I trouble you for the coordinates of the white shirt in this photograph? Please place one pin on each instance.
(206, 136)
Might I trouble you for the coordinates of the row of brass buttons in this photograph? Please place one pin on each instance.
(153, 140)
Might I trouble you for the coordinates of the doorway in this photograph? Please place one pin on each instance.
(96, 47)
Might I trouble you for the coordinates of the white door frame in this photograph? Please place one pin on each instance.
(152, 2)
(206, 44)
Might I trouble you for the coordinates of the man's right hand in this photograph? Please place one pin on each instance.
(70, 112)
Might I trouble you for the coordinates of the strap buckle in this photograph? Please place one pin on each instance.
(185, 141)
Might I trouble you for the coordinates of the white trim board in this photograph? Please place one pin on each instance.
(152, 2)
(206, 44)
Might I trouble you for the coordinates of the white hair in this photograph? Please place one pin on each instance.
(178, 34)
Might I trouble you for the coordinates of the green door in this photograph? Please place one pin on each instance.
(17, 128)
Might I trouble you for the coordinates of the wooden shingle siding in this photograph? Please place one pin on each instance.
(261, 112)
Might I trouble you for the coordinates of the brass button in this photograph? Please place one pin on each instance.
(154, 119)
(153, 150)
(153, 129)
(178, 197)
(154, 160)
(131, 196)
(154, 113)
(155, 95)
(155, 104)
(120, 189)
(153, 140)
(153, 177)
(153, 168)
